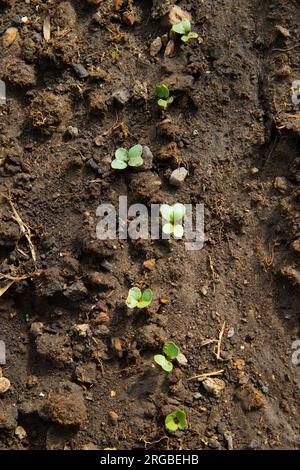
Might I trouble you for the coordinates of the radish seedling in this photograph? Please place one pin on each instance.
(131, 157)
(171, 351)
(173, 215)
(139, 299)
(163, 92)
(184, 28)
(176, 420)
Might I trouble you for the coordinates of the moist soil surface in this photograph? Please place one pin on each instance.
(79, 362)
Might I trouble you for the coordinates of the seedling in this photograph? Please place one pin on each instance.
(124, 157)
(171, 351)
(184, 28)
(176, 420)
(163, 92)
(173, 214)
(139, 299)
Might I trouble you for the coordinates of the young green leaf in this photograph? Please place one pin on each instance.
(135, 151)
(163, 103)
(162, 91)
(171, 349)
(178, 231)
(118, 165)
(178, 211)
(167, 212)
(134, 296)
(146, 299)
(163, 362)
(176, 420)
(168, 229)
(187, 37)
(121, 154)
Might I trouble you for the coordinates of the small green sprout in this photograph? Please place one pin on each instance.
(163, 92)
(176, 420)
(138, 299)
(131, 157)
(184, 28)
(171, 351)
(173, 215)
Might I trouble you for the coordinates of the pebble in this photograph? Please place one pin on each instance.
(214, 386)
(4, 385)
(20, 433)
(170, 48)
(36, 328)
(76, 291)
(176, 14)
(283, 31)
(147, 156)
(178, 176)
(72, 131)
(155, 46)
(149, 264)
(114, 417)
(121, 96)
(181, 359)
(80, 70)
(82, 330)
(9, 37)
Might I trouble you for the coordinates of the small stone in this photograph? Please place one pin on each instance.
(170, 48)
(114, 417)
(214, 386)
(213, 444)
(8, 417)
(231, 332)
(155, 46)
(149, 264)
(121, 96)
(36, 329)
(254, 444)
(82, 330)
(86, 373)
(197, 396)
(117, 345)
(254, 171)
(72, 131)
(106, 265)
(4, 385)
(176, 14)
(283, 31)
(9, 37)
(20, 433)
(31, 381)
(229, 440)
(296, 245)
(281, 183)
(90, 446)
(102, 317)
(147, 156)
(181, 359)
(80, 70)
(76, 291)
(94, 2)
(178, 176)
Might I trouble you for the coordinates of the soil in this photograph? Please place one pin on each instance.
(80, 364)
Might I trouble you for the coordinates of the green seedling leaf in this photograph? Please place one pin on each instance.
(136, 161)
(135, 151)
(178, 231)
(118, 165)
(121, 154)
(183, 27)
(167, 212)
(134, 296)
(163, 362)
(163, 104)
(187, 37)
(138, 299)
(168, 229)
(176, 420)
(171, 349)
(178, 211)
(162, 91)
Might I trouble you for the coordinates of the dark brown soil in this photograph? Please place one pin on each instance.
(80, 365)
